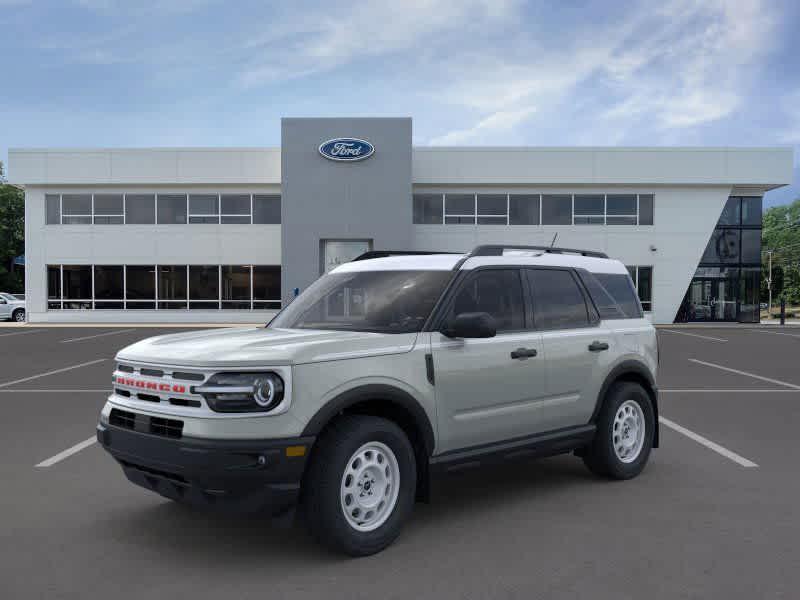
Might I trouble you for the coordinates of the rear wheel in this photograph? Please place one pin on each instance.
(19, 315)
(360, 486)
(624, 437)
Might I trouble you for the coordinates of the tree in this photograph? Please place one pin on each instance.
(781, 235)
(12, 235)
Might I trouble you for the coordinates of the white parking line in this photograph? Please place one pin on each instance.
(82, 391)
(24, 379)
(67, 453)
(794, 335)
(697, 335)
(740, 460)
(745, 391)
(746, 374)
(89, 337)
(22, 332)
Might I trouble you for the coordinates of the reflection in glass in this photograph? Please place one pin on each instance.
(723, 247)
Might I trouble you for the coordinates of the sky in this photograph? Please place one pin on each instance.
(107, 73)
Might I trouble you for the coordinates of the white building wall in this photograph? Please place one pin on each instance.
(141, 245)
(683, 220)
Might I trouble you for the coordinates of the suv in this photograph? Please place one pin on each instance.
(383, 372)
(12, 308)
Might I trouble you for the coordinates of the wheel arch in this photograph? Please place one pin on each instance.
(391, 403)
(636, 372)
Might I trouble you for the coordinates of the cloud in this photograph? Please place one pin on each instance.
(498, 122)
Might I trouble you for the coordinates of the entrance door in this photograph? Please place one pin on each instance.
(712, 300)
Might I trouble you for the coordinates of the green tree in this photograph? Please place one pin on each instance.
(781, 235)
(12, 235)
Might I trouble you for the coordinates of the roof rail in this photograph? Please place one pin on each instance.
(497, 250)
(384, 253)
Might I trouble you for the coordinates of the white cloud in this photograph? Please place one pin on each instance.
(501, 121)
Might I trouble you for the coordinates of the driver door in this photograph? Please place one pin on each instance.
(483, 394)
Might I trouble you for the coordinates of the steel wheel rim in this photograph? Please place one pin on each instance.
(628, 431)
(370, 486)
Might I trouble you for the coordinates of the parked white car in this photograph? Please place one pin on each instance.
(12, 308)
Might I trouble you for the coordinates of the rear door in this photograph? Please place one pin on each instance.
(488, 390)
(577, 349)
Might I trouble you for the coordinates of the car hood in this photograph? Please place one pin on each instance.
(245, 347)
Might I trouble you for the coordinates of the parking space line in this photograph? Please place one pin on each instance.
(697, 335)
(22, 332)
(721, 391)
(67, 453)
(745, 373)
(71, 391)
(24, 379)
(794, 335)
(738, 459)
(89, 337)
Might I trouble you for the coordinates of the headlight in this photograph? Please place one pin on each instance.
(242, 392)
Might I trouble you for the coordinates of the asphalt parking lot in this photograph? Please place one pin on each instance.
(714, 515)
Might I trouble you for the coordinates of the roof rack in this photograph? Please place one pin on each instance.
(497, 250)
(384, 253)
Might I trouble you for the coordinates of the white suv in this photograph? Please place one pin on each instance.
(12, 308)
(384, 371)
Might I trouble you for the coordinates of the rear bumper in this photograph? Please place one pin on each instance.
(242, 476)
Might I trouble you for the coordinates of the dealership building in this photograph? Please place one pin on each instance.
(231, 234)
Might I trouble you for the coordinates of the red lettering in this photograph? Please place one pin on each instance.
(163, 387)
(179, 389)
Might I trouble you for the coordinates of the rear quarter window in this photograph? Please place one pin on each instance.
(620, 288)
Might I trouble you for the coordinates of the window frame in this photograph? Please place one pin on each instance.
(592, 316)
(636, 285)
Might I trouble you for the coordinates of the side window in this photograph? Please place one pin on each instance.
(558, 302)
(621, 289)
(607, 307)
(497, 292)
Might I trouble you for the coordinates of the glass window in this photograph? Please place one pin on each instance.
(108, 282)
(382, 301)
(646, 209)
(644, 287)
(750, 295)
(235, 208)
(622, 289)
(203, 286)
(78, 285)
(204, 208)
(53, 209)
(557, 209)
(730, 213)
(267, 209)
(172, 286)
(492, 209)
(606, 306)
(589, 209)
(108, 209)
(497, 292)
(459, 209)
(140, 284)
(140, 209)
(266, 286)
(76, 209)
(523, 209)
(558, 302)
(53, 282)
(236, 287)
(427, 209)
(621, 209)
(723, 247)
(751, 246)
(171, 209)
(751, 211)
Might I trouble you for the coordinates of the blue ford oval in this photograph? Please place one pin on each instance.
(346, 149)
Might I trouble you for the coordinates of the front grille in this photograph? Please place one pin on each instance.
(122, 418)
(151, 372)
(148, 397)
(188, 376)
(171, 428)
(156, 472)
(161, 386)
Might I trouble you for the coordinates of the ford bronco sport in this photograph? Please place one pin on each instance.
(384, 371)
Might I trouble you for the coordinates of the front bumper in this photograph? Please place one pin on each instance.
(242, 476)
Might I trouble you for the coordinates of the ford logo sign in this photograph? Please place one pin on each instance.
(346, 149)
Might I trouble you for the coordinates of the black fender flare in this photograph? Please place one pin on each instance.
(379, 393)
(638, 371)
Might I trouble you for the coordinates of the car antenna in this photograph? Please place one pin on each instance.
(555, 237)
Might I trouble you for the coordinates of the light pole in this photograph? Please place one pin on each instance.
(769, 285)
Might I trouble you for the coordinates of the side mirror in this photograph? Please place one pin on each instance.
(471, 325)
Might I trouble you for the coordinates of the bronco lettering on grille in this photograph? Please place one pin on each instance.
(150, 385)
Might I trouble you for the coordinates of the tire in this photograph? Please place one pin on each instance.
(343, 471)
(18, 315)
(620, 450)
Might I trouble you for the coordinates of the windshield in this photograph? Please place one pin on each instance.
(379, 301)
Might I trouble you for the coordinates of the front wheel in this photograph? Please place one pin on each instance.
(360, 486)
(624, 436)
(19, 315)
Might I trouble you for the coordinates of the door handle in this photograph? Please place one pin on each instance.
(523, 353)
(598, 346)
